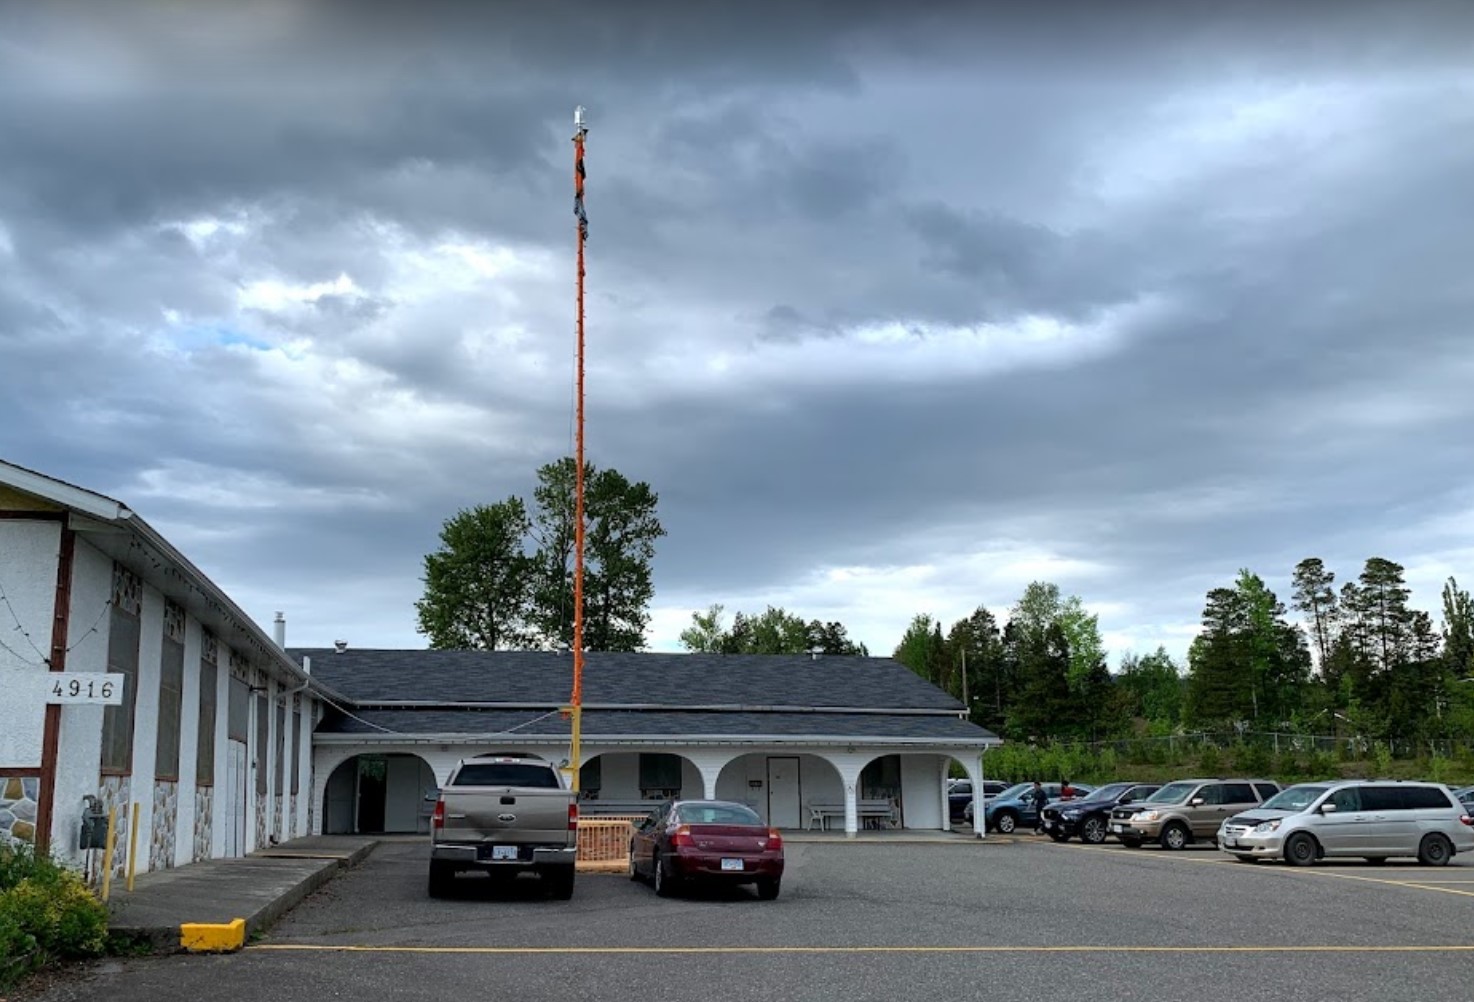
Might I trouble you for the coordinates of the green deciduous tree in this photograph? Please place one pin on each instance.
(621, 527)
(479, 584)
(504, 579)
(773, 631)
(1153, 687)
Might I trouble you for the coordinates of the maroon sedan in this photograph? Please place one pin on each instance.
(707, 841)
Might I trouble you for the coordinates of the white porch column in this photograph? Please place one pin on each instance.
(710, 764)
(972, 761)
(946, 804)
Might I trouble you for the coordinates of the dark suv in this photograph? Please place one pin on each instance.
(1090, 817)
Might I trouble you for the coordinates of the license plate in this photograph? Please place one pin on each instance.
(731, 864)
(503, 852)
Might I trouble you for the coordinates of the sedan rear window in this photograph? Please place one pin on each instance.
(717, 814)
(506, 774)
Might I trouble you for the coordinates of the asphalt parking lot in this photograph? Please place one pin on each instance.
(1024, 919)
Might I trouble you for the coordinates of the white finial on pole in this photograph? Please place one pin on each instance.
(578, 122)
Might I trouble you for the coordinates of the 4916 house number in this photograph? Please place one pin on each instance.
(84, 687)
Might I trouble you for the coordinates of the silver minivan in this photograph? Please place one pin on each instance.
(1373, 819)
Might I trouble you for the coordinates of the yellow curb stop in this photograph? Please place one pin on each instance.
(212, 937)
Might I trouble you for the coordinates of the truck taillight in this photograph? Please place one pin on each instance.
(572, 816)
(682, 836)
(775, 839)
(437, 819)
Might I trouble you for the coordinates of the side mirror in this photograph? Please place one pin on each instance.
(1126, 799)
(1196, 802)
(1328, 808)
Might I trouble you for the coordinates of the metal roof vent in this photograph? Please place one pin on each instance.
(340, 645)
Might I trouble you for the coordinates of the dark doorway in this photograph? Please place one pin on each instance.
(372, 791)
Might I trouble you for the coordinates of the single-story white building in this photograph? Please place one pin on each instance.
(129, 680)
(208, 735)
(805, 741)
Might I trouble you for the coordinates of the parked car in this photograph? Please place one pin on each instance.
(1375, 820)
(1465, 795)
(960, 795)
(1015, 806)
(707, 841)
(1189, 809)
(504, 813)
(1090, 817)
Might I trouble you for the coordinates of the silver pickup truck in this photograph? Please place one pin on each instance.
(504, 813)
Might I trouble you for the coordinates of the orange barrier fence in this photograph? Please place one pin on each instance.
(604, 843)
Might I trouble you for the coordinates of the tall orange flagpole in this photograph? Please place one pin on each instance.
(579, 132)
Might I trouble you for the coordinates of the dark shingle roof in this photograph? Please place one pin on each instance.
(675, 680)
(606, 724)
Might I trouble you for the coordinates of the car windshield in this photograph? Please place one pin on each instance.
(716, 814)
(1109, 792)
(1015, 791)
(1295, 798)
(1172, 793)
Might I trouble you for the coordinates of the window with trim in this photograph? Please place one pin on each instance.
(660, 776)
(171, 699)
(296, 750)
(263, 735)
(204, 763)
(281, 745)
(117, 721)
(238, 711)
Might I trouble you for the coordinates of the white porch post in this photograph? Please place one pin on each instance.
(710, 764)
(973, 763)
(946, 804)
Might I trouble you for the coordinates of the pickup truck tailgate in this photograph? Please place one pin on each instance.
(505, 815)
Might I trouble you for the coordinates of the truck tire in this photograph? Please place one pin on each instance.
(441, 876)
(560, 882)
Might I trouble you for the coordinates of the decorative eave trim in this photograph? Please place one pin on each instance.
(646, 740)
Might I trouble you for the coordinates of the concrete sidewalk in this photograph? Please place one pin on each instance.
(257, 889)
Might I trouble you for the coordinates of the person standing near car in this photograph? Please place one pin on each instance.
(1040, 798)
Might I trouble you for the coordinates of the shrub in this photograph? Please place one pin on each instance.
(46, 913)
(1251, 758)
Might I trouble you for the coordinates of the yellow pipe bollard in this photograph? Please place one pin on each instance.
(133, 848)
(107, 853)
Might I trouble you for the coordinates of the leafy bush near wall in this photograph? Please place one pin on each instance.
(46, 913)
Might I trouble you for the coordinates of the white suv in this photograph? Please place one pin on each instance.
(1373, 819)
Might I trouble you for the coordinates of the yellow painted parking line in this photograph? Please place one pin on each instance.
(647, 950)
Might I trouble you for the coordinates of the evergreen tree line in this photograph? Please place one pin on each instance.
(1360, 663)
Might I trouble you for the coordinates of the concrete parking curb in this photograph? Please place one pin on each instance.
(218, 905)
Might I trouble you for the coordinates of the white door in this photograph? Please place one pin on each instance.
(783, 792)
(235, 798)
(402, 793)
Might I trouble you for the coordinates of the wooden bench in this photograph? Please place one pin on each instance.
(881, 811)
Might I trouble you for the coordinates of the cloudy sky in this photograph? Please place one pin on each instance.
(897, 306)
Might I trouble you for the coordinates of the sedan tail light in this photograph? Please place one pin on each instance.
(572, 816)
(437, 819)
(682, 836)
(775, 839)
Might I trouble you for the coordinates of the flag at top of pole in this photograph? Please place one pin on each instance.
(579, 131)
